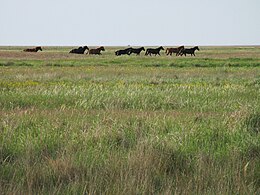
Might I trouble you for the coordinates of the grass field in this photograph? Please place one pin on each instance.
(79, 124)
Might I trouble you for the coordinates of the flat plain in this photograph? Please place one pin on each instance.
(80, 124)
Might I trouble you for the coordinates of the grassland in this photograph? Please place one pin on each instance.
(77, 124)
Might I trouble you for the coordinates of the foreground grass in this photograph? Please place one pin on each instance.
(125, 130)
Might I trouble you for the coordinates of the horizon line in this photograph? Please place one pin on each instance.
(210, 45)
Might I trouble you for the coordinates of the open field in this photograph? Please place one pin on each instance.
(75, 124)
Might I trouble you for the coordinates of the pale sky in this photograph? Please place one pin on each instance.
(129, 22)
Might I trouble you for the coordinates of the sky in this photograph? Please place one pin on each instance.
(129, 22)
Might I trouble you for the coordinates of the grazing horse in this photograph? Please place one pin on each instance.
(151, 51)
(177, 50)
(96, 51)
(123, 51)
(80, 50)
(137, 51)
(33, 50)
(190, 51)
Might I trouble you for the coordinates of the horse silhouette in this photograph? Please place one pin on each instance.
(96, 51)
(174, 50)
(151, 51)
(79, 50)
(190, 51)
(33, 49)
(137, 51)
(123, 51)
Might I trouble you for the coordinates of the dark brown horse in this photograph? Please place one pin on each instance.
(174, 50)
(96, 51)
(123, 51)
(80, 50)
(151, 51)
(33, 49)
(190, 51)
(137, 51)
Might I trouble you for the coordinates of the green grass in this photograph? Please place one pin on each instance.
(177, 62)
(130, 125)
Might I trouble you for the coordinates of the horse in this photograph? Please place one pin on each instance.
(33, 50)
(137, 51)
(174, 50)
(80, 50)
(123, 51)
(151, 51)
(96, 51)
(190, 51)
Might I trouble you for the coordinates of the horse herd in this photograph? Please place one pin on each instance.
(179, 51)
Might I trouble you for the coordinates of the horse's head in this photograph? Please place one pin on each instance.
(86, 47)
(102, 48)
(142, 49)
(161, 48)
(196, 48)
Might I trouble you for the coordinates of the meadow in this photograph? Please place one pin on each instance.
(80, 124)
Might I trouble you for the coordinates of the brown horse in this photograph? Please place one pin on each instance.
(33, 49)
(96, 51)
(174, 50)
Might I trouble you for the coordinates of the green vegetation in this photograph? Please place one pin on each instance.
(130, 125)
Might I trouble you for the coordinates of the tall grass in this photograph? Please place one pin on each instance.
(129, 130)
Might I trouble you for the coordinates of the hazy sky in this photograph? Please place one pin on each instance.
(130, 22)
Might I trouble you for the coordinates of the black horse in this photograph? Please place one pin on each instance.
(80, 50)
(137, 51)
(123, 51)
(190, 51)
(151, 51)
